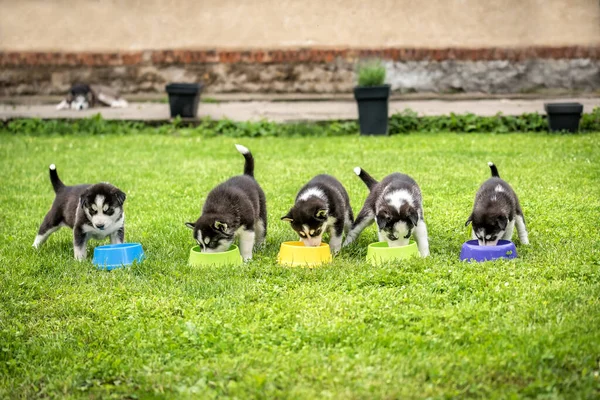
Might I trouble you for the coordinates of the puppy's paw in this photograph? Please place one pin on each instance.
(80, 255)
(63, 105)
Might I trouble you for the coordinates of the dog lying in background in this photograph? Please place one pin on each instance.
(82, 97)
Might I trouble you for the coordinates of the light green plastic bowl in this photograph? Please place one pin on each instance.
(229, 257)
(380, 252)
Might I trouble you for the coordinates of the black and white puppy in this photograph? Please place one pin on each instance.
(321, 205)
(496, 211)
(235, 208)
(396, 204)
(92, 211)
(82, 96)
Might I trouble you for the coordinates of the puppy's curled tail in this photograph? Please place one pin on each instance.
(494, 170)
(56, 182)
(366, 178)
(249, 164)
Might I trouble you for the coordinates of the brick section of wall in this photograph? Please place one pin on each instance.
(182, 57)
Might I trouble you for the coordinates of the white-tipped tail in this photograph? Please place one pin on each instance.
(242, 149)
(52, 167)
(490, 164)
(357, 170)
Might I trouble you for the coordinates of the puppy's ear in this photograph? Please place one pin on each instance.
(220, 226)
(83, 199)
(413, 216)
(502, 222)
(288, 217)
(321, 214)
(469, 220)
(120, 196)
(190, 225)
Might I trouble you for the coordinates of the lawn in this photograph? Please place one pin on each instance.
(433, 327)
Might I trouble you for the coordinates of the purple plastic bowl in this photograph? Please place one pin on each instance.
(472, 251)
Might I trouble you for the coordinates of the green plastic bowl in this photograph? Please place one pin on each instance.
(380, 252)
(229, 257)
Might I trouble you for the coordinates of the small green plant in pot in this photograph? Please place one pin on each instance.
(372, 96)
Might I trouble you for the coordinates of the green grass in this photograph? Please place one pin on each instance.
(371, 73)
(421, 328)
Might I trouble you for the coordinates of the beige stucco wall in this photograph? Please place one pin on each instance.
(105, 25)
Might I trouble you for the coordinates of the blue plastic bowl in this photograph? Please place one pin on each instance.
(472, 251)
(120, 255)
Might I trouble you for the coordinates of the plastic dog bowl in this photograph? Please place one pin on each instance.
(295, 254)
(472, 251)
(229, 257)
(120, 255)
(380, 252)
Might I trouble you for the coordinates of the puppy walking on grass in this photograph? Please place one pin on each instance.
(235, 208)
(92, 211)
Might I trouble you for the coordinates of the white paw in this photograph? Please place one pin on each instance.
(80, 255)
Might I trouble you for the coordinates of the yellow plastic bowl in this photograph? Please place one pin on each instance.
(295, 254)
(380, 252)
(229, 257)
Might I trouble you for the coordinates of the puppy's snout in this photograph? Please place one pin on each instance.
(312, 242)
(81, 106)
(100, 226)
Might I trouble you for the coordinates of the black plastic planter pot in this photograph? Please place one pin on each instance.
(564, 116)
(372, 109)
(183, 99)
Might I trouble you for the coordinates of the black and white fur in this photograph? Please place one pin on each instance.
(396, 204)
(496, 211)
(235, 208)
(82, 96)
(92, 211)
(321, 205)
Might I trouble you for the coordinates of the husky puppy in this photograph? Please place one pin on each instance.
(496, 212)
(82, 96)
(92, 211)
(321, 205)
(235, 208)
(396, 205)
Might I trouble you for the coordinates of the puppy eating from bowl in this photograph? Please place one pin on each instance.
(396, 205)
(236, 208)
(496, 212)
(92, 211)
(322, 205)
